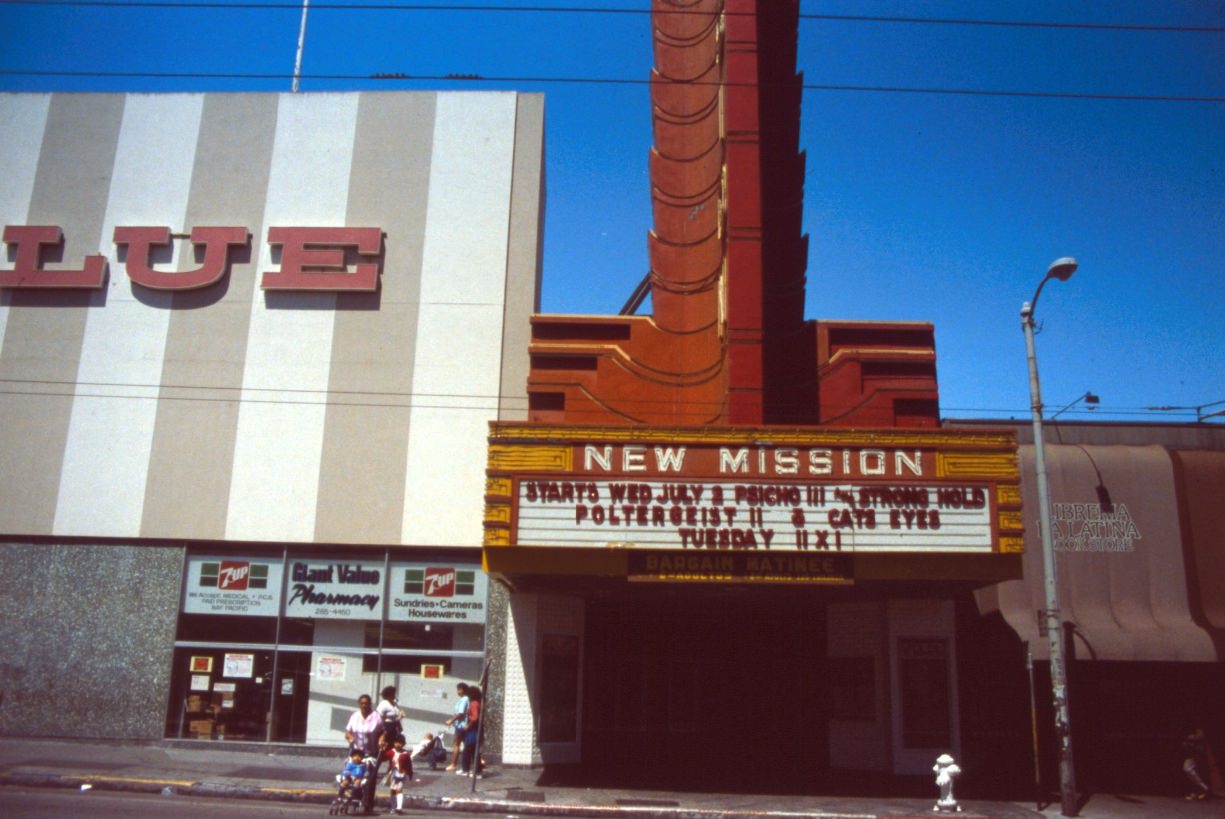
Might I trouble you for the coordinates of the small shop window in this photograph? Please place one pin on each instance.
(221, 628)
(414, 637)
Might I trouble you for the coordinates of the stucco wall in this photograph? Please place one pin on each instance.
(87, 632)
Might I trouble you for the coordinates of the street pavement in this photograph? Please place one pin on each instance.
(306, 775)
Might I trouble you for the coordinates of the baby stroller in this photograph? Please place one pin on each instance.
(433, 752)
(350, 792)
(348, 796)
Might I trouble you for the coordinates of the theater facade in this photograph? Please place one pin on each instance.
(745, 542)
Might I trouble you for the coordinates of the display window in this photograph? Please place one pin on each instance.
(279, 648)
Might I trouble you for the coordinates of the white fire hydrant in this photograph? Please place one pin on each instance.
(945, 769)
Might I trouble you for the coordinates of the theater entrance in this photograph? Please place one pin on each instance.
(706, 687)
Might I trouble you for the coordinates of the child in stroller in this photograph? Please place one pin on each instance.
(350, 784)
(430, 749)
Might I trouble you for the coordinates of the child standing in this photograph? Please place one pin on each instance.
(401, 772)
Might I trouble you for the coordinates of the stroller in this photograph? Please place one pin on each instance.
(348, 796)
(350, 792)
(432, 751)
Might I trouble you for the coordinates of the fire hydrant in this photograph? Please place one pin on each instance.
(945, 769)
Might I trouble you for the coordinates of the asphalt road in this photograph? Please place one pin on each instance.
(21, 803)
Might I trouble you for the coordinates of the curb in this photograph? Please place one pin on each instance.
(180, 787)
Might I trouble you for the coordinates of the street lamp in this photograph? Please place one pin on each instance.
(1061, 269)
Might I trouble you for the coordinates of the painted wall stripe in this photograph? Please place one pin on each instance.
(44, 330)
(197, 418)
(462, 295)
(121, 354)
(365, 441)
(21, 135)
(523, 255)
(285, 380)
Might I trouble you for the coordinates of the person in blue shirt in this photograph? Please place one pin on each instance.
(459, 724)
(355, 771)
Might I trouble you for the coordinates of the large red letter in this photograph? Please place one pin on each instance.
(216, 241)
(26, 272)
(310, 257)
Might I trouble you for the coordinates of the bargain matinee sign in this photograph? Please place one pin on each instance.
(824, 492)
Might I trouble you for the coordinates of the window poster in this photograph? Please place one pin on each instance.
(238, 665)
(330, 668)
(437, 593)
(233, 585)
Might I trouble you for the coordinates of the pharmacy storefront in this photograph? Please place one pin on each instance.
(278, 648)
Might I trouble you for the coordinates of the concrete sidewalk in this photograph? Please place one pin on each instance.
(296, 773)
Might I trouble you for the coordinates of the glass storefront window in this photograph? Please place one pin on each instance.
(280, 648)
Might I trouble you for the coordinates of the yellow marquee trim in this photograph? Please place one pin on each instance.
(976, 465)
(506, 432)
(530, 457)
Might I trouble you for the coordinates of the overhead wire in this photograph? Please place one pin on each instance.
(446, 401)
(537, 9)
(571, 80)
(383, 77)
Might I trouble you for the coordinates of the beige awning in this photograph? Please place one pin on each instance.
(1201, 486)
(1120, 557)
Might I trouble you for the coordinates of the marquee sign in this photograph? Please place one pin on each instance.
(749, 516)
(754, 491)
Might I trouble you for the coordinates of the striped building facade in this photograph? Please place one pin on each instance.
(141, 425)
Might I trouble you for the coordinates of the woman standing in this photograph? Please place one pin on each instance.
(391, 714)
(458, 723)
(363, 731)
(470, 737)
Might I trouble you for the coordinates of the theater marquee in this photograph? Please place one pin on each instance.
(751, 491)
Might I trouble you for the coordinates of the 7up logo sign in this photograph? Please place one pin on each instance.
(440, 582)
(234, 575)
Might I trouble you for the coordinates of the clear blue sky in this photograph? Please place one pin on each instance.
(932, 207)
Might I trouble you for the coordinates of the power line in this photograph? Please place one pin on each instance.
(451, 401)
(546, 80)
(845, 18)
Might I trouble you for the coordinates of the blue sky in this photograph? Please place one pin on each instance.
(930, 207)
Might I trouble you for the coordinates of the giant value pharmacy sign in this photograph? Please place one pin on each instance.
(758, 490)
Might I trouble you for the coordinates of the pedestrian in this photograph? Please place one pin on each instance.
(391, 714)
(1195, 763)
(458, 723)
(472, 763)
(401, 772)
(362, 732)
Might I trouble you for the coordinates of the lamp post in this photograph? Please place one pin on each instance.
(1061, 269)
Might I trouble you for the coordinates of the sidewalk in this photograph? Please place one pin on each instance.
(295, 773)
